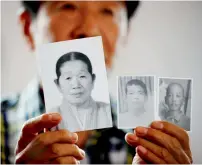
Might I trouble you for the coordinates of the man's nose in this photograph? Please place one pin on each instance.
(87, 27)
(136, 97)
(173, 99)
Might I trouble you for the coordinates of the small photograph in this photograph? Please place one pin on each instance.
(136, 101)
(75, 83)
(174, 101)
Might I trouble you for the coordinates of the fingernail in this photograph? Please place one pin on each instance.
(78, 162)
(74, 137)
(141, 130)
(142, 149)
(54, 117)
(132, 137)
(82, 152)
(157, 125)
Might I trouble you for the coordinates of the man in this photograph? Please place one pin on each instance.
(136, 112)
(174, 99)
(137, 95)
(44, 22)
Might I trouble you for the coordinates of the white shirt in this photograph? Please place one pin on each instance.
(129, 120)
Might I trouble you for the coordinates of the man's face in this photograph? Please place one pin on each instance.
(67, 20)
(175, 97)
(136, 96)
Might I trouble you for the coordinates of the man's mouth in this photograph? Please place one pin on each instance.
(174, 105)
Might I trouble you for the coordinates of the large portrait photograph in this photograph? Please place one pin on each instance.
(75, 83)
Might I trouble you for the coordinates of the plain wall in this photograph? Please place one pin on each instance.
(165, 40)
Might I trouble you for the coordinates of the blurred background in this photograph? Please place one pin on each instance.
(165, 39)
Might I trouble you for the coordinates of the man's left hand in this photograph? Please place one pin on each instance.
(161, 143)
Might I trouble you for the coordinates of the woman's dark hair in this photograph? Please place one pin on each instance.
(71, 56)
(137, 82)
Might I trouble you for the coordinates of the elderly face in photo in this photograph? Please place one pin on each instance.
(75, 81)
(136, 96)
(175, 99)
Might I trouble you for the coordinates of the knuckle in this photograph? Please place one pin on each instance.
(55, 149)
(164, 153)
(40, 139)
(63, 133)
(175, 143)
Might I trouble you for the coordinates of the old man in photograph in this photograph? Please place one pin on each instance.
(175, 99)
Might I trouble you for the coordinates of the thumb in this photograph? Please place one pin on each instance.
(35, 125)
(38, 124)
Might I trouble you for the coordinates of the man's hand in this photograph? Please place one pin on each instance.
(49, 147)
(161, 143)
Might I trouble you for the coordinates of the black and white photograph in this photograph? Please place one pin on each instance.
(75, 83)
(174, 101)
(136, 101)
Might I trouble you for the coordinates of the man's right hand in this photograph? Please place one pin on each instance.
(57, 147)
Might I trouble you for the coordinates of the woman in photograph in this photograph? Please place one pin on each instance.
(75, 81)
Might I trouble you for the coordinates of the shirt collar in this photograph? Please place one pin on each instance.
(177, 116)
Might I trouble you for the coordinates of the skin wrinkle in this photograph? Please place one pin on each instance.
(164, 154)
(173, 145)
(183, 137)
(149, 155)
(32, 155)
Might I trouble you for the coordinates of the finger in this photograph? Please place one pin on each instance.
(161, 152)
(61, 136)
(23, 142)
(61, 150)
(37, 124)
(148, 156)
(174, 131)
(165, 140)
(65, 160)
(39, 146)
